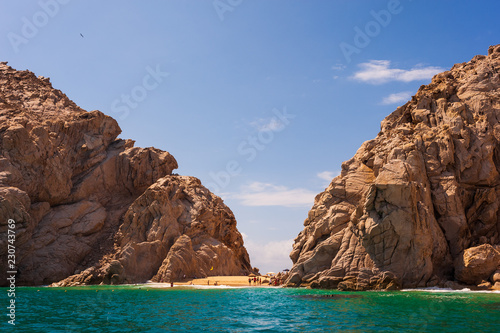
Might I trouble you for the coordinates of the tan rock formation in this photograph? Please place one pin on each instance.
(80, 196)
(410, 201)
(477, 264)
(176, 227)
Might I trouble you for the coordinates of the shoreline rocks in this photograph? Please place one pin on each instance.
(83, 199)
(419, 198)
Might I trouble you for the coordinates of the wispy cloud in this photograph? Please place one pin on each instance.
(327, 175)
(272, 124)
(272, 256)
(379, 71)
(397, 98)
(337, 68)
(265, 194)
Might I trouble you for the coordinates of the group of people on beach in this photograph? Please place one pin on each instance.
(256, 281)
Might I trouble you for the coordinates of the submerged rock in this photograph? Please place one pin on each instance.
(87, 203)
(411, 201)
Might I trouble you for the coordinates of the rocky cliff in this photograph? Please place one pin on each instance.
(87, 203)
(417, 206)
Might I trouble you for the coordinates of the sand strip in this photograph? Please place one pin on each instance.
(233, 281)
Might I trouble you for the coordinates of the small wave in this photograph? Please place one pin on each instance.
(449, 290)
(156, 285)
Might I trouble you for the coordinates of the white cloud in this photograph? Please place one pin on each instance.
(338, 67)
(272, 124)
(397, 98)
(272, 256)
(265, 194)
(328, 175)
(378, 71)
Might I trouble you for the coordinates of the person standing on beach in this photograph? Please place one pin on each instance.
(249, 281)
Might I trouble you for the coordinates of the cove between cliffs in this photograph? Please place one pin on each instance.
(416, 207)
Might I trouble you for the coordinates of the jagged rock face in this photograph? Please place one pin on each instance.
(72, 187)
(412, 200)
(176, 227)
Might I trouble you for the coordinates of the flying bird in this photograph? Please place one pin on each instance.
(81, 35)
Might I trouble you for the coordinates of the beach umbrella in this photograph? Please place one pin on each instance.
(286, 270)
(252, 275)
(270, 273)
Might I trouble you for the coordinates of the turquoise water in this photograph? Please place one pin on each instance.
(147, 309)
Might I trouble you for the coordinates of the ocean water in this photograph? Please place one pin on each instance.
(149, 308)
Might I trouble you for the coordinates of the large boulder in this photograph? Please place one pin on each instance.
(477, 264)
(410, 201)
(176, 228)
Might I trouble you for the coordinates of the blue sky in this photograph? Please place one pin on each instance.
(262, 100)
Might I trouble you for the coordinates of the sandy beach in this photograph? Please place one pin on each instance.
(233, 281)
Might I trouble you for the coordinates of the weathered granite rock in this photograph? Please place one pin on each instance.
(176, 227)
(410, 201)
(79, 196)
(477, 264)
